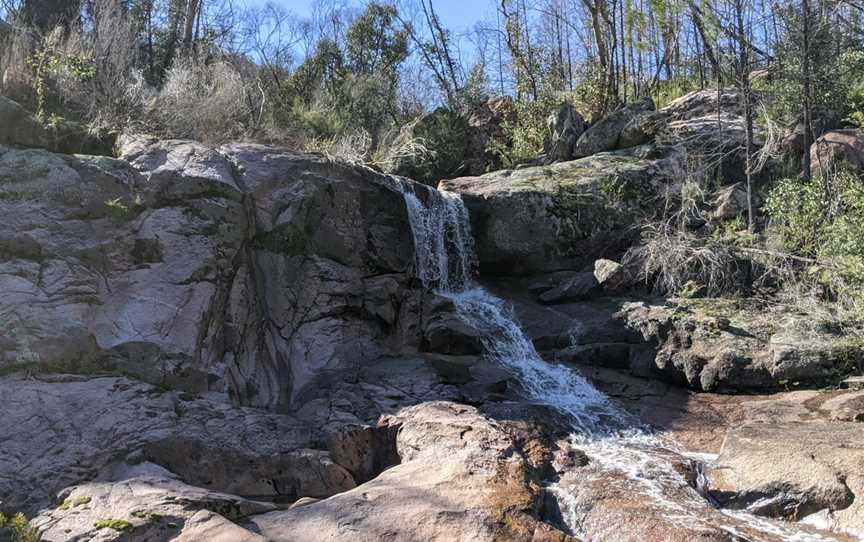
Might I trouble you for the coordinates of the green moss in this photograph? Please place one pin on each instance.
(81, 501)
(119, 525)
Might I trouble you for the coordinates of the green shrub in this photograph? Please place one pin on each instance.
(19, 528)
(115, 524)
(823, 219)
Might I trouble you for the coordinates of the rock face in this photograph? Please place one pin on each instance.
(90, 427)
(240, 269)
(563, 216)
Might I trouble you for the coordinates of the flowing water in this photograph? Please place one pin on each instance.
(610, 437)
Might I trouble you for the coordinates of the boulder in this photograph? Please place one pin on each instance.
(704, 103)
(572, 287)
(566, 215)
(612, 276)
(731, 202)
(836, 148)
(822, 119)
(642, 129)
(713, 130)
(464, 475)
(603, 136)
(445, 332)
(564, 126)
(792, 470)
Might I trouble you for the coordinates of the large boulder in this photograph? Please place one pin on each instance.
(464, 475)
(792, 469)
(711, 125)
(603, 135)
(566, 215)
(838, 148)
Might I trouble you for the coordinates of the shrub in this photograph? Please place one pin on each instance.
(19, 528)
(208, 102)
(823, 219)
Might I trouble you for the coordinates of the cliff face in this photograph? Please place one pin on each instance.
(241, 269)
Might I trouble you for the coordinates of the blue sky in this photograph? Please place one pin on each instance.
(457, 15)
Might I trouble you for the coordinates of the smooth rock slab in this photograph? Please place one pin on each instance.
(146, 508)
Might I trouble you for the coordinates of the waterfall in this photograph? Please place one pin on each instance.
(445, 262)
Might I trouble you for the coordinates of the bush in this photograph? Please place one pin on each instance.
(19, 528)
(823, 219)
(207, 102)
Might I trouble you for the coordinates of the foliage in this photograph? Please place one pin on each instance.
(823, 219)
(119, 525)
(19, 528)
(48, 61)
(527, 132)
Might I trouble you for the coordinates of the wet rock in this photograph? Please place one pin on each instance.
(604, 135)
(445, 332)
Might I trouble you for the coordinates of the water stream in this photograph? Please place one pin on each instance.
(609, 436)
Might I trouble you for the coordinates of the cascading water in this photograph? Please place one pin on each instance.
(613, 439)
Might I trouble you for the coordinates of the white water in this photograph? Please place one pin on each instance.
(610, 437)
